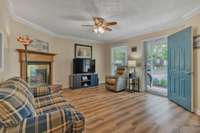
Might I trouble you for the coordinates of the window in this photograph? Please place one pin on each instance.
(119, 57)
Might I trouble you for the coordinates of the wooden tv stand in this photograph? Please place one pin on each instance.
(83, 80)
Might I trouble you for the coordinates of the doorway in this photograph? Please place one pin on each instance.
(156, 66)
(171, 71)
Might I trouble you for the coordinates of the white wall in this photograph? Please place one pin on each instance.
(64, 48)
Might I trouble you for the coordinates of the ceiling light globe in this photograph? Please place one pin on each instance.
(101, 30)
(96, 30)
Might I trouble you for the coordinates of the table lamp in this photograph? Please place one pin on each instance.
(132, 65)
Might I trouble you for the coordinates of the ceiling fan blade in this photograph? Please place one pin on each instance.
(107, 29)
(110, 23)
(87, 25)
(98, 21)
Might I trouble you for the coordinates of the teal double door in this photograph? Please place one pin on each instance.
(180, 47)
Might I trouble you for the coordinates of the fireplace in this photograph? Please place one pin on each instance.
(38, 74)
(39, 69)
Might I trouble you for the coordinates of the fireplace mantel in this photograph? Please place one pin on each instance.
(37, 57)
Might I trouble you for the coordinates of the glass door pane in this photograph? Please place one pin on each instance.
(156, 66)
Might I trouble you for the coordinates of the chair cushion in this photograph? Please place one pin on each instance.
(120, 71)
(111, 81)
(14, 105)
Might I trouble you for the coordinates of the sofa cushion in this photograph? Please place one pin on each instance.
(48, 100)
(41, 91)
(24, 88)
(14, 105)
(53, 107)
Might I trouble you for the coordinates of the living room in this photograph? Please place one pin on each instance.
(98, 107)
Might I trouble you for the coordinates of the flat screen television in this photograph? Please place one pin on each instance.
(83, 65)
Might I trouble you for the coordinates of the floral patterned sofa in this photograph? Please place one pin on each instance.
(25, 110)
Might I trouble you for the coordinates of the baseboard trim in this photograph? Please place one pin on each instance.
(197, 111)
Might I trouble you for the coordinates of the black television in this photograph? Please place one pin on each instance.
(82, 65)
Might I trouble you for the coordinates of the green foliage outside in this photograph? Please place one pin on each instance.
(158, 51)
(157, 64)
(160, 82)
(156, 82)
(119, 55)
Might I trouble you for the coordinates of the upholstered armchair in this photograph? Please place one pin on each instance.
(118, 82)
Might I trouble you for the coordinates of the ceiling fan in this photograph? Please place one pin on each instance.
(101, 25)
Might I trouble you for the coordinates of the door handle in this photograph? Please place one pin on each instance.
(189, 73)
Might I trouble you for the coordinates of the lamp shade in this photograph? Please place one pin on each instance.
(132, 63)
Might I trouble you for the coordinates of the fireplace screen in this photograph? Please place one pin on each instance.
(38, 74)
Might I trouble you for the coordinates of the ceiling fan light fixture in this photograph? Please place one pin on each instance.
(101, 30)
(101, 25)
(96, 30)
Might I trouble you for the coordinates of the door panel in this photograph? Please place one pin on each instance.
(180, 68)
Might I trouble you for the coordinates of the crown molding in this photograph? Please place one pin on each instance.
(178, 23)
(173, 24)
(77, 39)
(44, 30)
(25, 22)
(191, 13)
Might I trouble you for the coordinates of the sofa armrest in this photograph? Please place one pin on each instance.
(41, 91)
(50, 122)
(65, 120)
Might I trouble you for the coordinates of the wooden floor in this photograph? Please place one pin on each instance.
(124, 112)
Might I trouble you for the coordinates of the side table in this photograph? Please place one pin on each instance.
(134, 84)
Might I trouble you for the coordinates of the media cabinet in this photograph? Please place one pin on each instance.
(83, 80)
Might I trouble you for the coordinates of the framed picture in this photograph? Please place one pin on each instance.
(39, 46)
(197, 41)
(134, 49)
(83, 51)
(1, 52)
